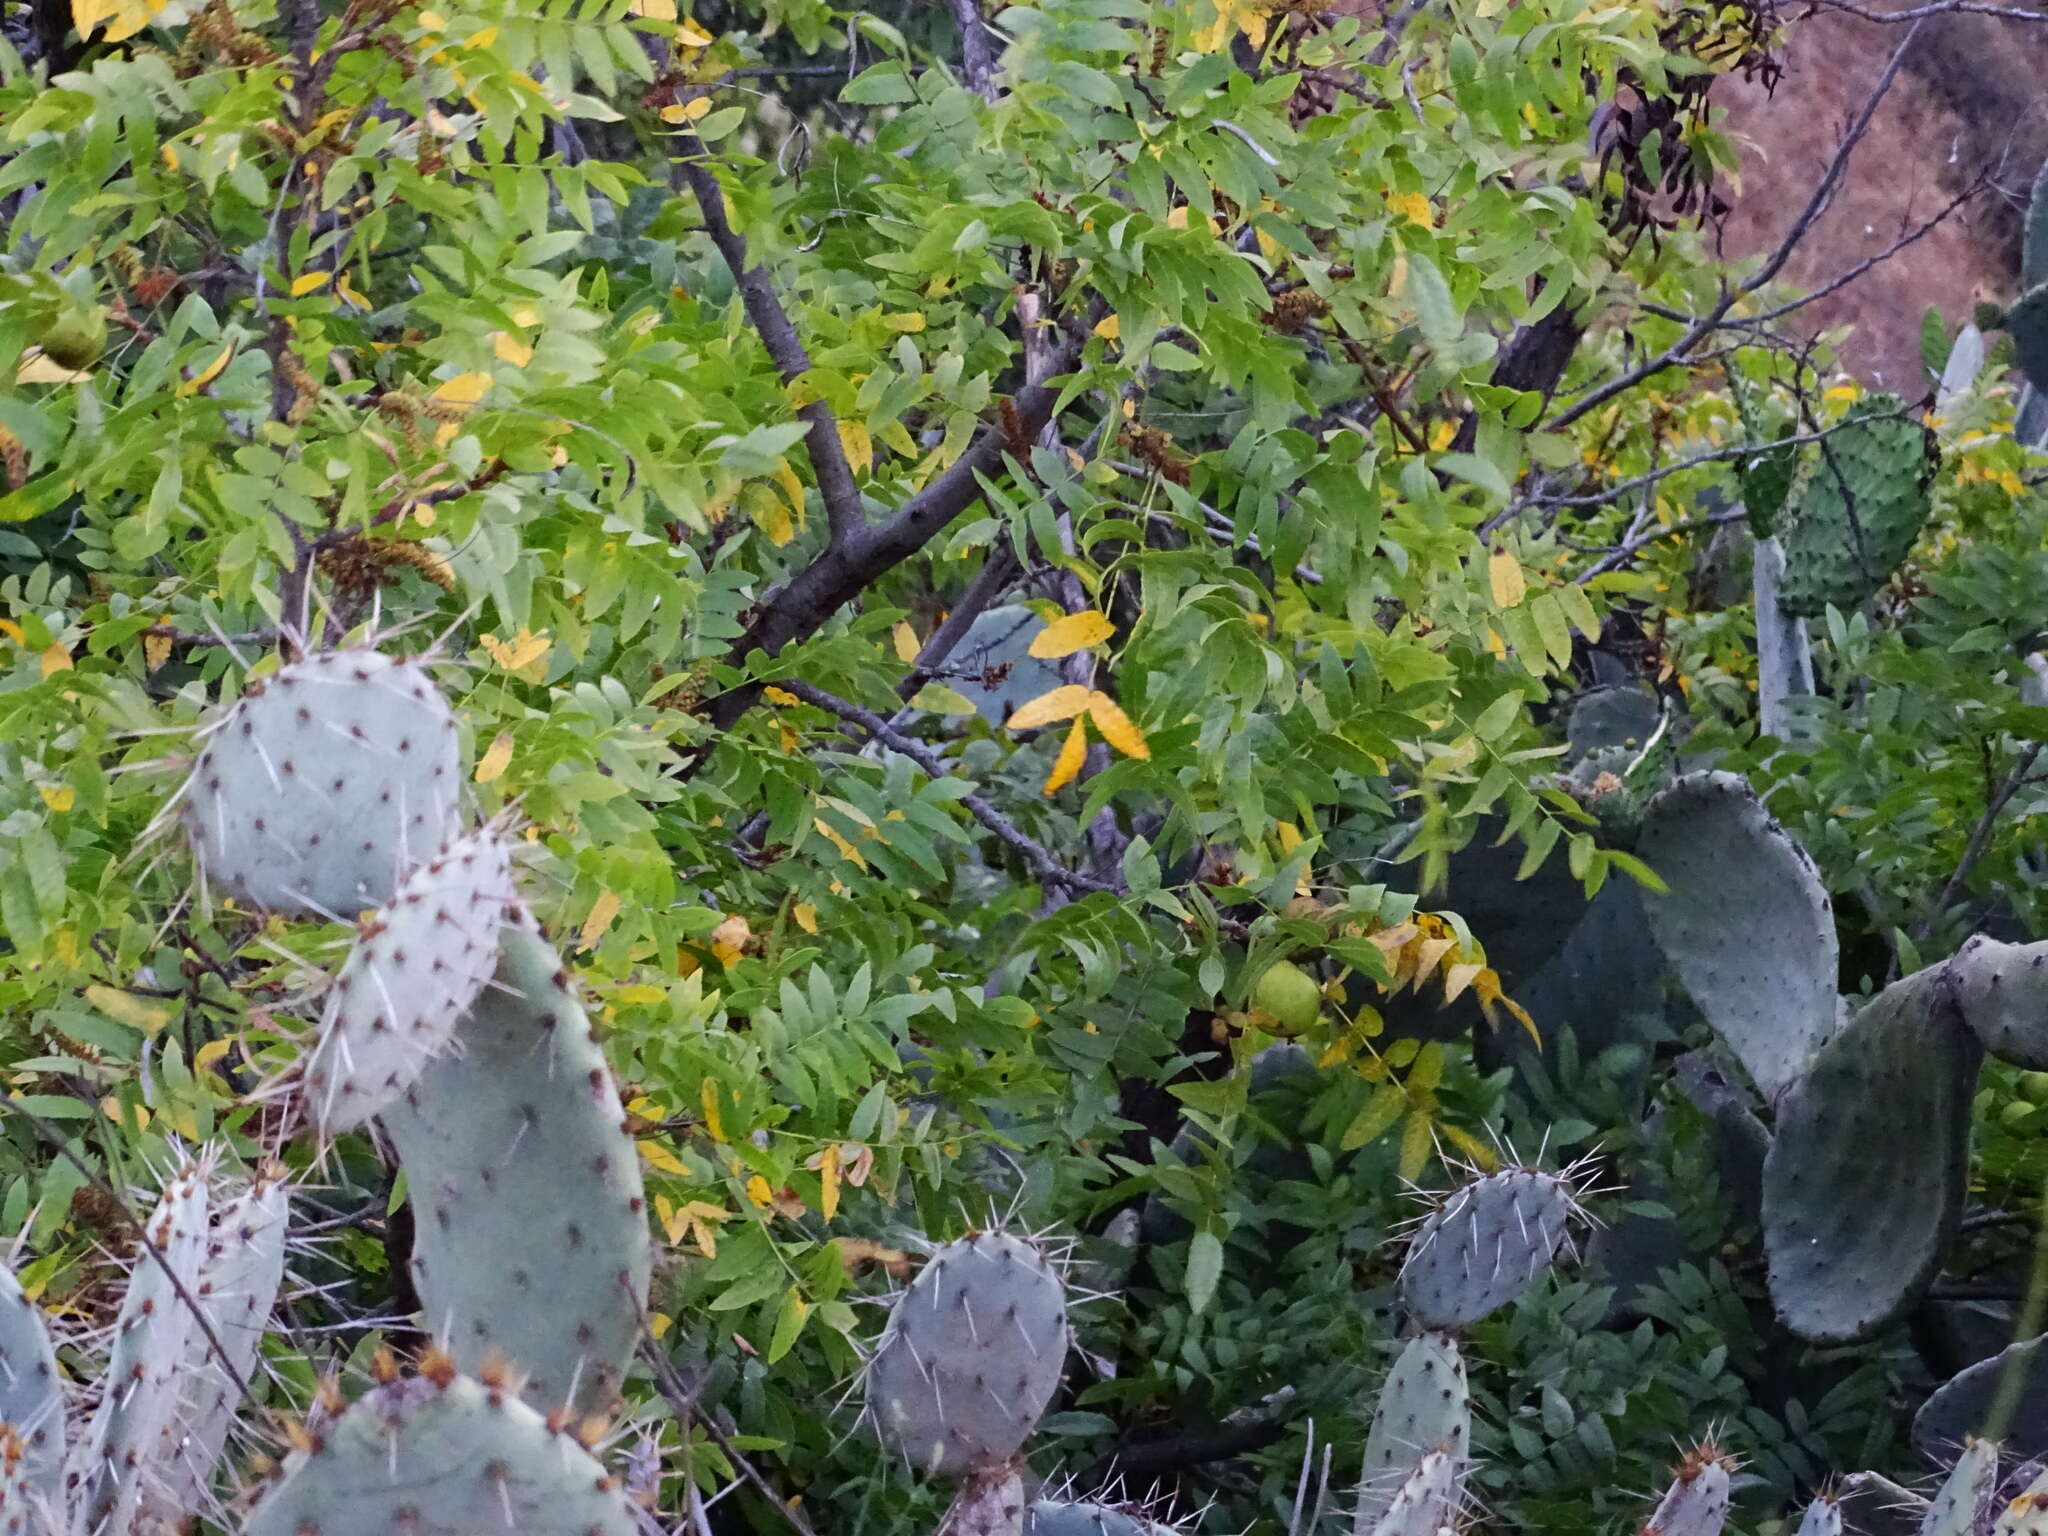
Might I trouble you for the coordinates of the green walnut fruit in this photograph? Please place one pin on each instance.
(2034, 1087)
(77, 337)
(1290, 995)
(2016, 1115)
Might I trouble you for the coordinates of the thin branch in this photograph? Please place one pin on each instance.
(1980, 837)
(836, 485)
(1619, 555)
(189, 637)
(1942, 8)
(999, 572)
(1816, 205)
(1043, 863)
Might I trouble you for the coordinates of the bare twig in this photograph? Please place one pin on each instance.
(1043, 863)
(1942, 8)
(1619, 555)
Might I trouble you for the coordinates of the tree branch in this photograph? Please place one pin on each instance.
(977, 58)
(1042, 863)
(771, 322)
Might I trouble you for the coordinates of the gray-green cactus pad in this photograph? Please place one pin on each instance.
(453, 1460)
(1746, 924)
(530, 1222)
(1049, 1517)
(2015, 1379)
(1696, 1503)
(1865, 1177)
(31, 1391)
(971, 1355)
(1427, 1502)
(2003, 989)
(1823, 1517)
(324, 783)
(1966, 1493)
(1424, 1406)
(1865, 501)
(1480, 1249)
(2028, 322)
(143, 1382)
(1613, 717)
(415, 968)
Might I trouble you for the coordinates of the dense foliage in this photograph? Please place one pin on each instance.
(955, 553)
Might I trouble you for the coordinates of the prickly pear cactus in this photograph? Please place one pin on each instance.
(139, 1392)
(238, 1284)
(2013, 1381)
(1863, 506)
(2027, 1513)
(445, 1454)
(1424, 1406)
(531, 1233)
(990, 1503)
(1865, 1177)
(416, 966)
(1965, 1494)
(1480, 1249)
(1049, 1517)
(1746, 923)
(971, 1356)
(31, 1394)
(1823, 1517)
(324, 783)
(1428, 1500)
(1696, 1503)
(2003, 989)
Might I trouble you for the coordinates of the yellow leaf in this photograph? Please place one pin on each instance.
(58, 797)
(707, 1096)
(1484, 1158)
(12, 631)
(1412, 206)
(1843, 394)
(700, 1215)
(1072, 752)
(495, 758)
(38, 369)
(659, 1323)
(1416, 1143)
(350, 293)
(1062, 703)
(111, 1108)
(911, 323)
(780, 696)
(56, 659)
(463, 389)
(1504, 573)
(1071, 633)
(1109, 328)
(1427, 954)
(806, 917)
(690, 35)
(508, 348)
(1116, 727)
(433, 21)
(832, 835)
(524, 655)
(602, 911)
(126, 1008)
(828, 1180)
(858, 445)
(310, 282)
(661, 1159)
(211, 1052)
(904, 638)
(208, 374)
(759, 1192)
(686, 111)
(729, 939)
(170, 156)
(483, 39)
(1457, 978)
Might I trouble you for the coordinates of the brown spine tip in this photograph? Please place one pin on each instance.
(438, 1366)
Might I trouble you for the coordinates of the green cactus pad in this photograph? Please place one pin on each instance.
(1480, 1249)
(530, 1222)
(2027, 320)
(2016, 1380)
(324, 783)
(1745, 923)
(459, 1459)
(1428, 1500)
(971, 1356)
(140, 1390)
(1696, 1503)
(238, 1286)
(1049, 1517)
(416, 967)
(1865, 1177)
(1863, 506)
(1424, 1406)
(2003, 989)
(31, 1391)
(1966, 1494)
(1823, 1517)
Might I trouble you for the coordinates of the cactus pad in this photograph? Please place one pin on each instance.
(323, 783)
(1480, 1249)
(1966, 1493)
(1863, 506)
(1864, 1180)
(531, 1230)
(971, 1356)
(1427, 1502)
(2028, 322)
(152, 1342)
(1963, 1405)
(2003, 989)
(1049, 1517)
(1823, 1517)
(1613, 717)
(1746, 924)
(2027, 1514)
(1424, 1406)
(1696, 1503)
(417, 965)
(31, 1394)
(446, 1455)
